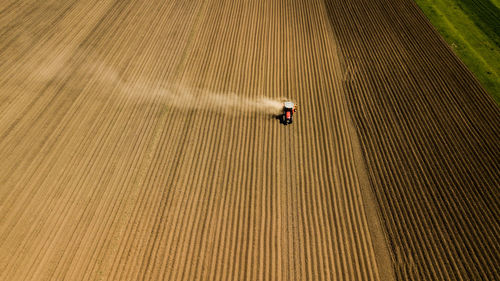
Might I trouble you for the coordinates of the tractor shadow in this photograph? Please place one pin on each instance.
(280, 118)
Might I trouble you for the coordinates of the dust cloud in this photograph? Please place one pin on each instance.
(188, 98)
(173, 95)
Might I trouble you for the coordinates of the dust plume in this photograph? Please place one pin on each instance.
(173, 95)
(189, 98)
(184, 97)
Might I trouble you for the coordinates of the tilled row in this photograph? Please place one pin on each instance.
(102, 179)
(429, 137)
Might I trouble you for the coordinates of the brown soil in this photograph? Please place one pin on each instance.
(121, 159)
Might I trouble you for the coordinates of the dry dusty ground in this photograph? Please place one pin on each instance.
(133, 145)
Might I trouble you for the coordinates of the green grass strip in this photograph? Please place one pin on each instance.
(496, 3)
(472, 29)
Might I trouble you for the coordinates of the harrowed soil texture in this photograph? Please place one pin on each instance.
(121, 159)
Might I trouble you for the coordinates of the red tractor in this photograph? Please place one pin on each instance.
(288, 110)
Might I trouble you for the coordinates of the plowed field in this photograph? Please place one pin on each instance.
(134, 146)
